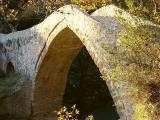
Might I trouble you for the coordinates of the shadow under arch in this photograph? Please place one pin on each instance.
(52, 74)
(87, 90)
(53, 71)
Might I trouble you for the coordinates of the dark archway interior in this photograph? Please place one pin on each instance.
(88, 90)
(10, 69)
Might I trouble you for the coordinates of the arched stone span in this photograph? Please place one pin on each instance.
(34, 50)
(52, 74)
(61, 47)
(30, 50)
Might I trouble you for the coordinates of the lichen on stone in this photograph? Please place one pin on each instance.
(136, 61)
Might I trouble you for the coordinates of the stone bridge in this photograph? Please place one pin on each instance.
(45, 52)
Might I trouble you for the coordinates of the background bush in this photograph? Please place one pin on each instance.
(22, 14)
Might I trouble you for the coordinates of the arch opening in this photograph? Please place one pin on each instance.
(51, 79)
(88, 90)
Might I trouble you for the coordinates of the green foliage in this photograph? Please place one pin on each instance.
(91, 5)
(68, 114)
(15, 13)
(10, 81)
(71, 114)
(7, 83)
(148, 9)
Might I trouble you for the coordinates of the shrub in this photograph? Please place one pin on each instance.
(68, 114)
(15, 12)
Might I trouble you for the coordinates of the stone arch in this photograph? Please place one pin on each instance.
(53, 70)
(31, 50)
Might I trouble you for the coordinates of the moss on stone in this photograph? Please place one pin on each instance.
(137, 62)
(8, 83)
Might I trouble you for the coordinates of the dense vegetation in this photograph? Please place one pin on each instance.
(21, 14)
